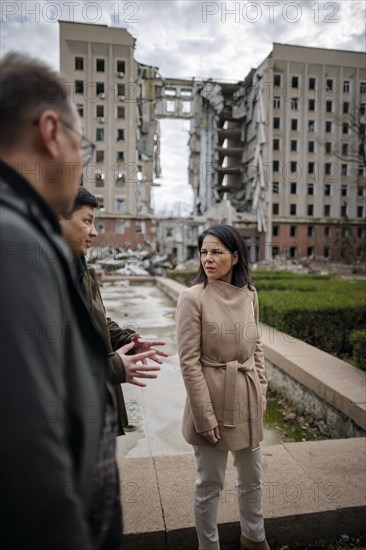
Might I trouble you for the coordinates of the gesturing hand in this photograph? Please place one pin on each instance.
(212, 436)
(135, 370)
(142, 345)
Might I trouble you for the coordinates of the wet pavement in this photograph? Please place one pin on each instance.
(155, 412)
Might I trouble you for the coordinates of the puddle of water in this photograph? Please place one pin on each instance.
(155, 412)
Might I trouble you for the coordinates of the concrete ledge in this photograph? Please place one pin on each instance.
(311, 490)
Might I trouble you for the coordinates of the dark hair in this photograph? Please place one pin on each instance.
(27, 88)
(234, 242)
(83, 198)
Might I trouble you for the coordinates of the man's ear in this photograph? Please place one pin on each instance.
(49, 132)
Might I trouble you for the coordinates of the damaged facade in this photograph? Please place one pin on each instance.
(262, 150)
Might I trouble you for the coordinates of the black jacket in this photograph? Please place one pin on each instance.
(52, 386)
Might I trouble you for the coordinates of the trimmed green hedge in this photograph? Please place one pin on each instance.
(358, 341)
(321, 310)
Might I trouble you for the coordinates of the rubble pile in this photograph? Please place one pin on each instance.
(119, 260)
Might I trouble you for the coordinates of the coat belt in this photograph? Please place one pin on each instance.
(231, 380)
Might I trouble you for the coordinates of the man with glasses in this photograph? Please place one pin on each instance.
(57, 424)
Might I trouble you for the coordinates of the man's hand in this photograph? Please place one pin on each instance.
(142, 345)
(133, 369)
(212, 436)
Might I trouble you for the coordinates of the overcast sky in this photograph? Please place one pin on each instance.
(189, 38)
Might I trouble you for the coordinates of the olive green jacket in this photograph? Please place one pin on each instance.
(114, 338)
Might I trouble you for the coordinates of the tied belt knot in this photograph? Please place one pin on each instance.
(231, 380)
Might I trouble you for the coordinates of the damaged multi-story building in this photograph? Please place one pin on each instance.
(277, 154)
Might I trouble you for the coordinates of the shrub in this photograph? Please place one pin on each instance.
(358, 341)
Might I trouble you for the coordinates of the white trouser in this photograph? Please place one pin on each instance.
(211, 466)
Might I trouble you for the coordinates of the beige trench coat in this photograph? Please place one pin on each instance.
(222, 362)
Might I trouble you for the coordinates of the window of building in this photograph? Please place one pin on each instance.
(277, 80)
(311, 167)
(294, 124)
(170, 106)
(328, 126)
(328, 147)
(140, 227)
(327, 168)
(275, 251)
(276, 102)
(120, 228)
(345, 107)
(120, 204)
(294, 103)
(343, 210)
(292, 209)
(121, 90)
(121, 66)
(120, 111)
(100, 228)
(276, 165)
(327, 189)
(310, 210)
(311, 146)
(99, 179)
(345, 128)
(361, 170)
(327, 231)
(79, 63)
(100, 201)
(100, 88)
(293, 230)
(311, 125)
(293, 251)
(344, 190)
(360, 192)
(276, 144)
(120, 155)
(120, 179)
(344, 169)
(312, 82)
(327, 210)
(99, 134)
(310, 230)
(326, 252)
(310, 189)
(294, 145)
(275, 208)
(361, 232)
(80, 109)
(275, 187)
(276, 230)
(295, 82)
(276, 123)
(293, 188)
(311, 104)
(329, 85)
(293, 166)
(186, 92)
(79, 86)
(99, 156)
(362, 87)
(346, 86)
(100, 65)
(344, 149)
(310, 250)
(100, 111)
(329, 106)
(362, 108)
(120, 134)
(186, 107)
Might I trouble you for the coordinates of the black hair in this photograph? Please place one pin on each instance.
(27, 88)
(233, 241)
(83, 198)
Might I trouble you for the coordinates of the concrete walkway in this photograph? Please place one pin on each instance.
(311, 490)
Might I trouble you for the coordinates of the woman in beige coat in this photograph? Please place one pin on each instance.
(222, 364)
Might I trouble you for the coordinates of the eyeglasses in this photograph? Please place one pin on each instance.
(87, 148)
